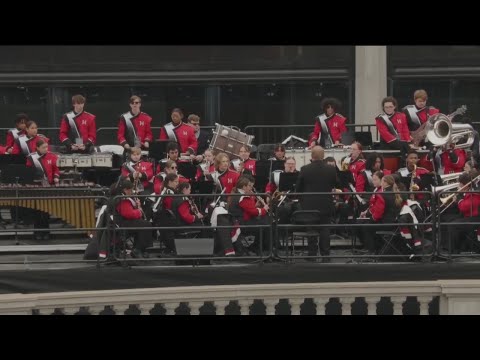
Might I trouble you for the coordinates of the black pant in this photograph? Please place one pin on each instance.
(143, 238)
(324, 232)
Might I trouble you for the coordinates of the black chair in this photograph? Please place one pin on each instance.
(394, 244)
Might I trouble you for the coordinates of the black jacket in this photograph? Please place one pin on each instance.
(317, 177)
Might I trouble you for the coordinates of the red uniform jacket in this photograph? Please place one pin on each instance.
(469, 205)
(31, 142)
(186, 139)
(336, 127)
(376, 205)
(404, 172)
(49, 164)
(228, 180)
(250, 164)
(185, 212)
(199, 176)
(422, 115)
(158, 182)
(11, 139)
(399, 122)
(127, 208)
(86, 127)
(453, 161)
(250, 211)
(362, 184)
(356, 166)
(141, 123)
(145, 167)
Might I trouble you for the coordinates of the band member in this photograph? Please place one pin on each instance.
(78, 131)
(373, 164)
(278, 152)
(356, 161)
(203, 138)
(27, 143)
(45, 164)
(170, 168)
(452, 160)
(184, 207)
(384, 207)
(224, 177)
(134, 127)
(329, 126)
(239, 166)
(412, 173)
(393, 127)
(248, 163)
(469, 207)
(317, 177)
(179, 132)
(470, 165)
(138, 171)
(249, 210)
(419, 113)
(14, 134)
(206, 168)
(290, 167)
(131, 215)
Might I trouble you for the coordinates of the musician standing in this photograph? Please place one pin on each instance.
(14, 134)
(317, 177)
(329, 126)
(27, 143)
(134, 127)
(179, 132)
(78, 130)
(131, 215)
(419, 113)
(393, 127)
(45, 164)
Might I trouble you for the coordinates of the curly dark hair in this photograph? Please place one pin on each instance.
(333, 102)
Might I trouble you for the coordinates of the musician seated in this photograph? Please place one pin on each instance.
(14, 134)
(468, 204)
(470, 165)
(384, 207)
(278, 152)
(170, 168)
(45, 164)
(452, 160)
(248, 163)
(163, 215)
(137, 171)
(131, 215)
(27, 143)
(248, 210)
(290, 166)
(373, 164)
(185, 209)
(356, 161)
(206, 168)
(77, 128)
(224, 177)
(411, 174)
(178, 131)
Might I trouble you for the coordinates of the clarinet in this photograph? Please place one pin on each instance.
(194, 209)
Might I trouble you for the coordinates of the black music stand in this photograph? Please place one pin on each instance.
(287, 181)
(6, 160)
(187, 169)
(158, 149)
(262, 173)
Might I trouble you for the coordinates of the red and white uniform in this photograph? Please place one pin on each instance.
(227, 180)
(453, 161)
(249, 209)
(399, 121)
(13, 134)
(416, 117)
(250, 164)
(200, 174)
(469, 205)
(48, 162)
(363, 182)
(31, 144)
(85, 123)
(160, 178)
(141, 124)
(183, 134)
(144, 167)
(336, 127)
(128, 210)
(185, 212)
(356, 166)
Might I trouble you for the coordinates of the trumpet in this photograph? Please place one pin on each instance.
(412, 182)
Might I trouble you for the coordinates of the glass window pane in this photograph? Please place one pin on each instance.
(438, 92)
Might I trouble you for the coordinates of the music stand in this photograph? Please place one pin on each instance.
(187, 169)
(158, 149)
(6, 160)
(18, 174)
(262, 173)
(287, 181)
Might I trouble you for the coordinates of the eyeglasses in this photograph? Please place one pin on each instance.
(173, 167)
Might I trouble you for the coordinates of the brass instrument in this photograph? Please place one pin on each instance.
(446, 201)
(448, 178)
(194, 209)
(412, 182)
